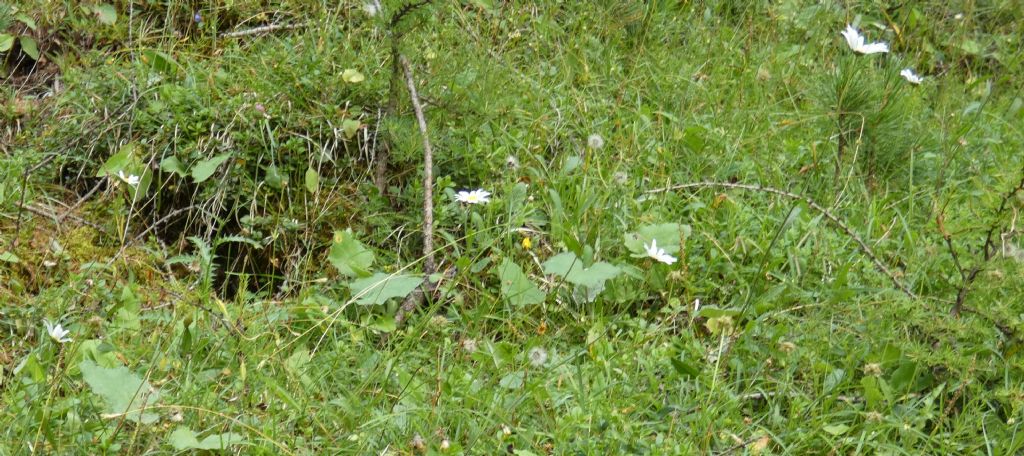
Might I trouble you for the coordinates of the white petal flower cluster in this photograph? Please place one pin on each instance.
(911, 77)
(57, 332)
(129, 179)
(478, 196)
(857, 42)
(659, 254)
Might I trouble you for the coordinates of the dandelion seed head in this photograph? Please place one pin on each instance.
(439, 321)
(371, 9)
(621, 177)
(469, 345)
(787, 347)
(873, 369)
(538, 356)
(418, 443)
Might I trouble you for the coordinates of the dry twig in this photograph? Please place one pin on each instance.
(988, 248)
(415, 298)
(261, 29)
(814, 205)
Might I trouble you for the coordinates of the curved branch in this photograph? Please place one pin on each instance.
(814, 205)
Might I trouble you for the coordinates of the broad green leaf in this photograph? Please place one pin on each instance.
(695, 138)
(684, 369)
(595, 275)
(834, 379)
(568, 266)
(571, 163)
(25, 19)
(971, 47)
(118, 161)
(720, 325)
(667, 235)
(502, 353)
(29, 47)
(513, 380)
(9, 257)
(380, 287)
(516, 287)
(160, 62)
(872, 395)
(274, 178)
(350, 127)
(516, 198)
(98, 351)
(204, 169)
(384, 323)
(123, 391)
(298, 360)
(171, 164)
(6, 42)
(105, 13)
(353, 76)
(836, 429)
(145, 179)
(32, 367)
(296, 365)
(312, 180)
(903, 377)
(349, 255)
(127, 311)
(184, 438)
(562, 264)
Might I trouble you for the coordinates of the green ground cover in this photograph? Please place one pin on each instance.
(222, 205)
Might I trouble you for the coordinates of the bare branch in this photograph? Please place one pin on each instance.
(414, 299)
(814, 205)
(261, 29)
(988, 247)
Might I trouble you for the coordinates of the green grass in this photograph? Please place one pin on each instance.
(227, 292)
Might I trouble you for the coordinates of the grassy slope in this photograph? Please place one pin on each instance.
(820, 355)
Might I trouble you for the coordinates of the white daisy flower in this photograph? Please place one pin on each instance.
(129, 179)
(659, 254)
(912, 78)
(478, 196)
(57, 332)
(856, 42)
